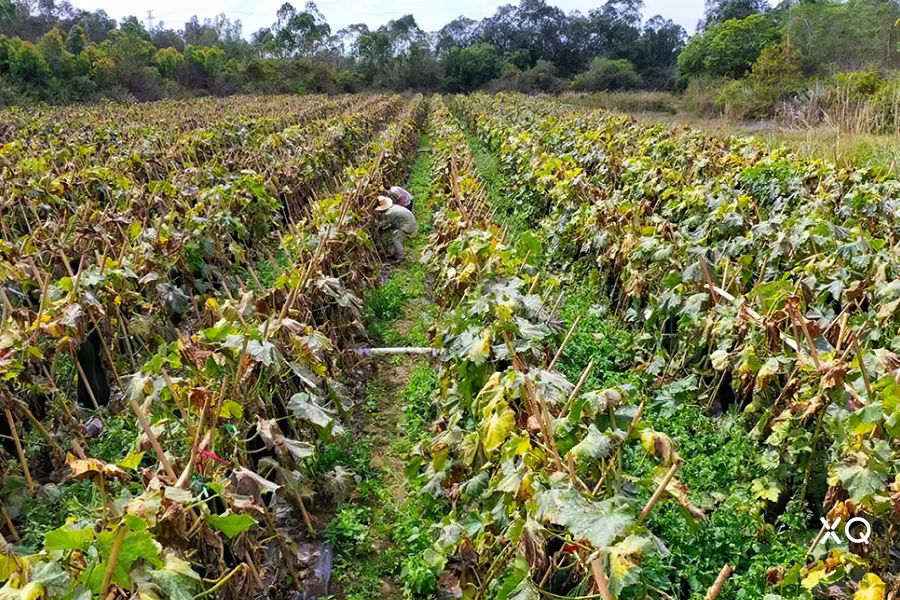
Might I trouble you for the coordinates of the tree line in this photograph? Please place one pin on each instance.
(56, 52)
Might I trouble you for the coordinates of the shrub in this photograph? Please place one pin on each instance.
(168, 61)
(606, 74)
(28, 65)
(541, 77)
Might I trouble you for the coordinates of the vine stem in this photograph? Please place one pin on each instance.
(19, 451)
(222, 581)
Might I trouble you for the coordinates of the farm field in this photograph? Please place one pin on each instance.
(659, 359)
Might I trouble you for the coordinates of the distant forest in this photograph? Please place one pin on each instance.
(58, 53)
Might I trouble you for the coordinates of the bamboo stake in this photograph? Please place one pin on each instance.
(814, 353)
(709, 281)
(145, 425)
(299, 499)
(563, 345)
(724, 574)
(19, 451)
(113, 558)
(581, 380)
(87, 384)
(44, 433)
(77, 449)
(10, 526)
(600, 578)
(659, 491)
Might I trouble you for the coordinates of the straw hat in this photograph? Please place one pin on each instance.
(384, 203)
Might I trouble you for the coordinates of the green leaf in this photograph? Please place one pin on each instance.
(304, 407)
(595, 445)
(231, 524)
(68, 539)
(598, 522)
(518, 573)
(178, 580)
(860, 481)
(231, 409)
(132, 460)
(512, 478)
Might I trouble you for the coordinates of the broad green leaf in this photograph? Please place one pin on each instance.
(231, 524)
(598, 522)
(594, 446)
(68, 539)
(178, 580)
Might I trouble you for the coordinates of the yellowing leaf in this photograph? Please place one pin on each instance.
(132, 460)
(497, 427)
(9, 564)
(91, 467)
(871, 587)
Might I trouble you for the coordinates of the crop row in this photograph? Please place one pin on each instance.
(225, 354)
(524, 463)
(755, 281)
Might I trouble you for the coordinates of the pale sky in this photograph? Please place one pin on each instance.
(431, 15)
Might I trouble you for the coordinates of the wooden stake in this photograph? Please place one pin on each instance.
(659, 491)
(724, 574)
(19, 451)
(145, 425)
(9, 524)
(600, 578)
(563, 345)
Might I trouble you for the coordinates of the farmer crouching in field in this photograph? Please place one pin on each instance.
(400, 197)
(401, 220)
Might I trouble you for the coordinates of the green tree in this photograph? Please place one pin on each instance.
(720, 11)
(728, 49)
(10, 17)
(76, 40)
(28, 65)
(53, 49)
(470, 68)
(299, 33)
(168, 61)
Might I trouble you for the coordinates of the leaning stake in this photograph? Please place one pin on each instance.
(659, 491)
(724, 574)
(145, 425)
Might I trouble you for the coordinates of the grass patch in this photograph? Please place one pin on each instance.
(598, 337)
(382, 537)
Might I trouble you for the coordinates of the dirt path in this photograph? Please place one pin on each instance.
(379, 535)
